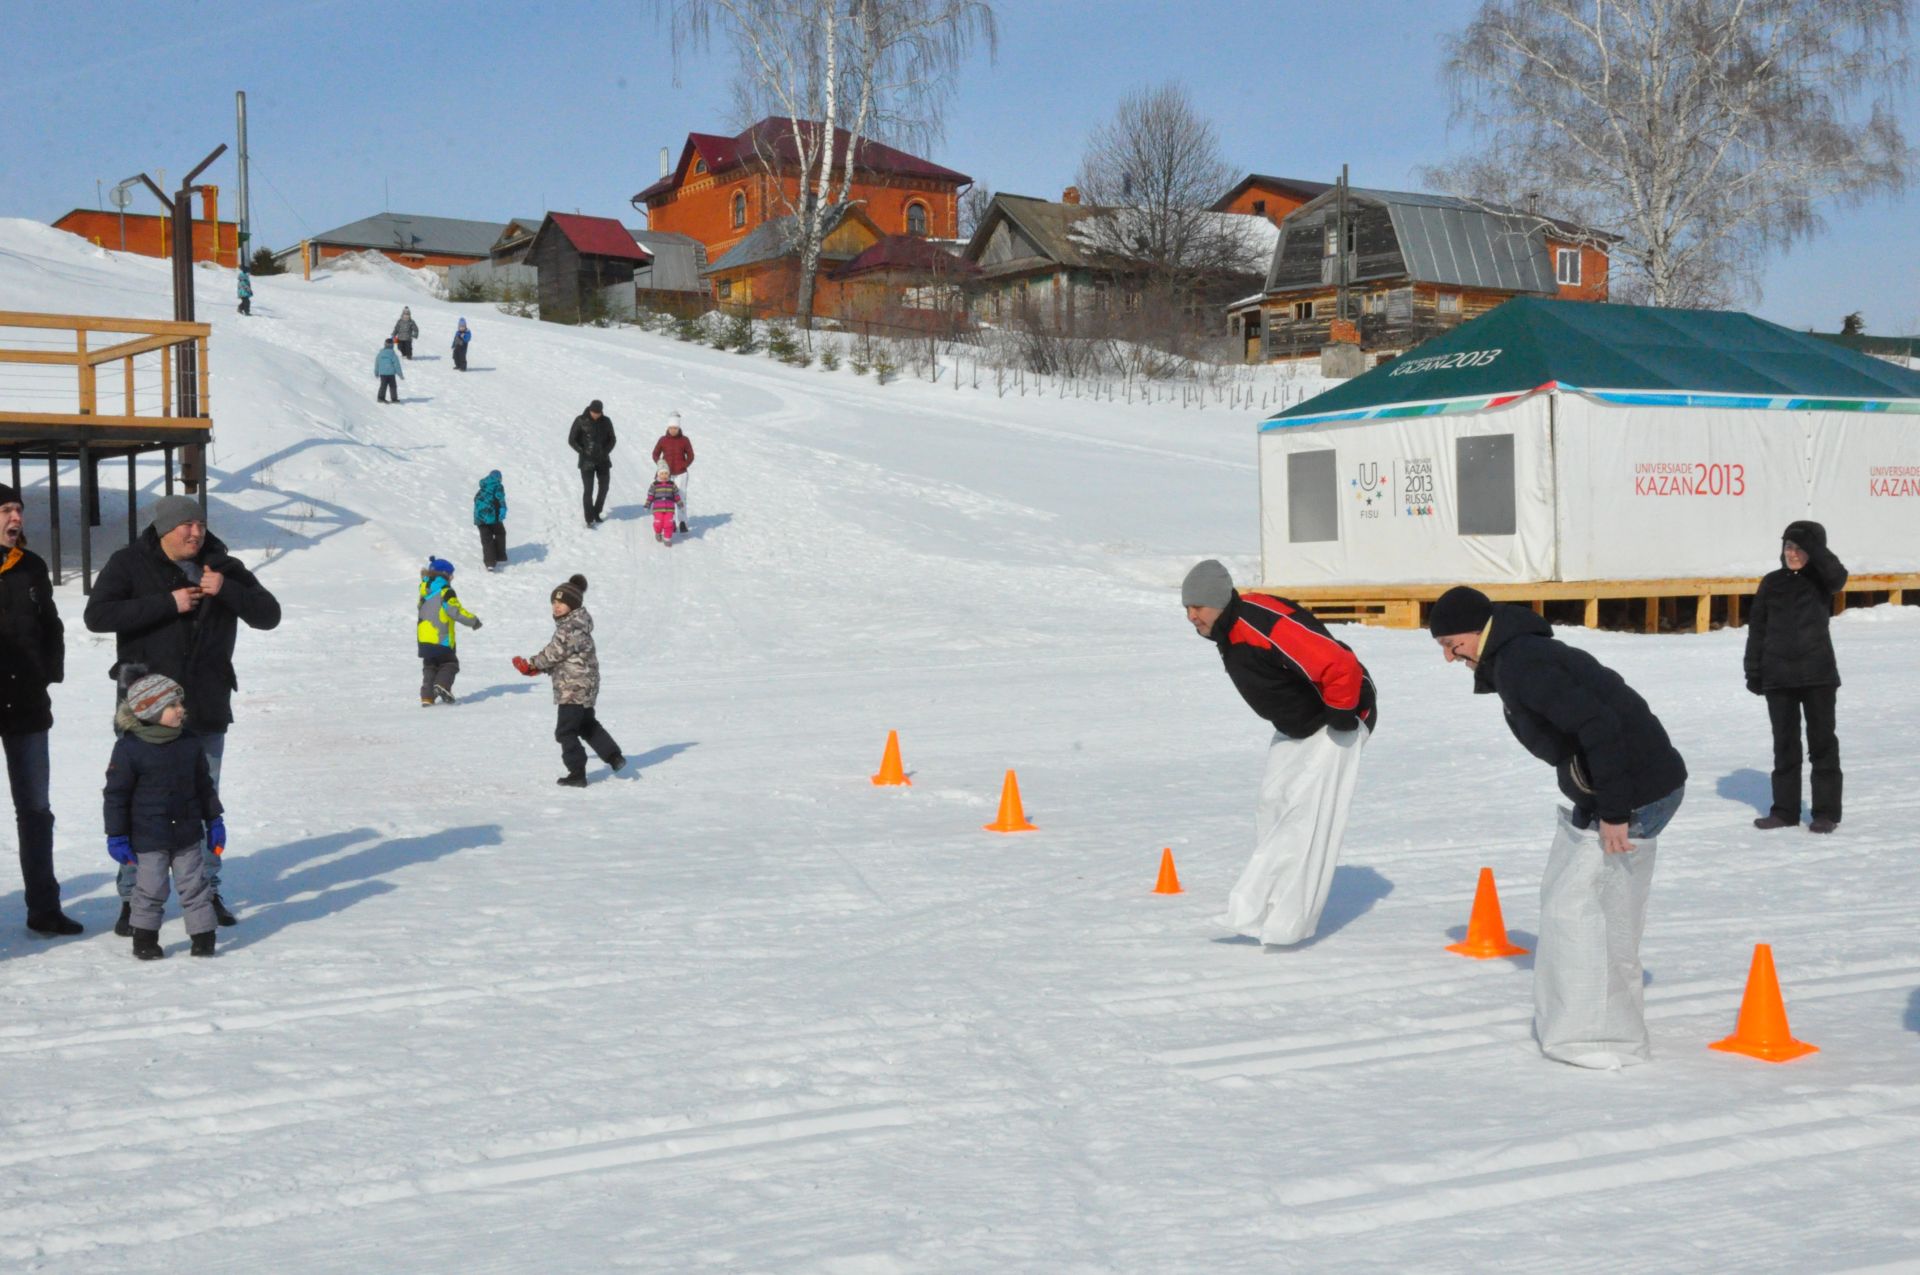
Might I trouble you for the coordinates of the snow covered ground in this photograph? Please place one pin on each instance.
(738, 1010)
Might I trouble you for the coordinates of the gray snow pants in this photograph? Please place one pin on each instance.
(188, 866)
(215, 746)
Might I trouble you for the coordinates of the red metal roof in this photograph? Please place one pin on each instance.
(599, 237)
(907, 252)
(773, 137)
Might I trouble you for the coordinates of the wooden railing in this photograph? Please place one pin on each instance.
(147, 336)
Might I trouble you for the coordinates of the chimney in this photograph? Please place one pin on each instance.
(1071, 195)
(666, 164)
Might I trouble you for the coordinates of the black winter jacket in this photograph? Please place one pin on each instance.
(159, 795)
(1577, 715)
(1290, 670)
(132, 598)
(592, 440)
(33, 644)
(1788, 644)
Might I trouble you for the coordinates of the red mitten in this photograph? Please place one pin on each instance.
(520, 663)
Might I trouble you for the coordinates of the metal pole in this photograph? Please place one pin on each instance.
(133, 490)
(246, 191)
(89, 495)
(53, 505)
(169, 464)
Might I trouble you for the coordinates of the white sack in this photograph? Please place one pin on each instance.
(1588, 1005)
(1304, 798)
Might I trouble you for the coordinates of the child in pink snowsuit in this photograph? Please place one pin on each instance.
(664, 499)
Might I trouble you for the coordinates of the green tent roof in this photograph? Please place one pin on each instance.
(1619, 353)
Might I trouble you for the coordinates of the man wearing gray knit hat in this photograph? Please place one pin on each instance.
(174, 600)
(1320, 701)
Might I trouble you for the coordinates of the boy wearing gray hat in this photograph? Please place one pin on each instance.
(160, 809)
(1320, 701)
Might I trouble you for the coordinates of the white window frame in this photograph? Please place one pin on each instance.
(1562, 258)
(1447, 303)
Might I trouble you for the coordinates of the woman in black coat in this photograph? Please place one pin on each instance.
(1790, 661)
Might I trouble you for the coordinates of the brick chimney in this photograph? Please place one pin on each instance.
(1071, 195)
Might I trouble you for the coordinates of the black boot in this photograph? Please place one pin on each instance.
(146, 945)
(54, 924)
(617, 762)
(203, 944)
(1767, 823)
(573, 779)
(221, 914)
(683, 525)
(124, 926)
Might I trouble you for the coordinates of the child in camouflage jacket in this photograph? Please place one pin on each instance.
(574, 665)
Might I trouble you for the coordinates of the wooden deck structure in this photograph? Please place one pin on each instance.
(87, 435)
(1647, 605)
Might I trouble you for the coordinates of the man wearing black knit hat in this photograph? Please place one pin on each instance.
(1625, 781)
(593, 440)
(1317, 696)
(33, 656)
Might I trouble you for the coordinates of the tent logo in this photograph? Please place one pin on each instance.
(1416, 488)
(1368, 487)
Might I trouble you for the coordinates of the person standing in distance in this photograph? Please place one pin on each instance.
(1790, 661)
(593, 441)
(1320, 701)
(1624, 779)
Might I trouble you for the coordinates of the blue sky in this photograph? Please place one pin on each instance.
(480, 110)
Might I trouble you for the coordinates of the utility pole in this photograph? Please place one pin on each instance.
(1340, 246)
(246, 191)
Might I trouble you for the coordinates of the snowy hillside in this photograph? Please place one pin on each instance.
(737, 1010)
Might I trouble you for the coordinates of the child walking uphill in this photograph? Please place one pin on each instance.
(664, 499)
(386, 366)
(490, 515)
(440, 610)
(160, 805)
(575, 667)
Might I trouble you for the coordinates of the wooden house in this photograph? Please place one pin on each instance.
(762, 271)
(578, 258)
(724, 189)
(671, 282)
(406, 238)
(510, 249)
(1410, 266)
(908, 282)
(1260, 195)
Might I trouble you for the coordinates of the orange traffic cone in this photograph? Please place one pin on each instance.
(1762, 1030)
(890, 773)
(1486, 929)
(1012, 818)
(1169, 882)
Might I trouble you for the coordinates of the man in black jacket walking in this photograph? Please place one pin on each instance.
(593, 441)
(1790, 661)
(33, 656)
(1320, 701)
(175, 599)
(1625, 781)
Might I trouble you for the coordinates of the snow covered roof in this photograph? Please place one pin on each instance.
(1117, 232)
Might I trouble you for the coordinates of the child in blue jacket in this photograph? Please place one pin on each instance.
(386, 366)
(490, 515)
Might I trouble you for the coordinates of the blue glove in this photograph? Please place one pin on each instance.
(121, 849)
(217, 835)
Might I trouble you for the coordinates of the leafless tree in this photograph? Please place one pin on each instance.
(973, 209)
(838, 72)
(1691, 136)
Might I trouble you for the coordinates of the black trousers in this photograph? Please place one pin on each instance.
(576, 724)
(493, 543)
(246, 305)
(1785, 709)
(459, 356)
(437, 673)
(590, 503)
(389, 386)
(406, 348)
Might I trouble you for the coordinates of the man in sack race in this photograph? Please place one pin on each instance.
(1625, 780)
(1320, 701)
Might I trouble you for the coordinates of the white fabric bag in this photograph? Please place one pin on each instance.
(1588, 1004)
(1304, 797)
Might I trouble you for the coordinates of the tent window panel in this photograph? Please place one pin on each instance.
(1484, 466)
(1313, 498)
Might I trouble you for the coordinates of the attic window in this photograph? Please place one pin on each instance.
(1566, 267)
(739, 208)
(1333, 238)
(699, 165)
(1448, 303)
(1259, 207)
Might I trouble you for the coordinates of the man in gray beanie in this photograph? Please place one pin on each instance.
(1321, 704)
(174, 600)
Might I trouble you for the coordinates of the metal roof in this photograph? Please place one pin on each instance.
(772, 139)
(598, 236)
(677, 261)
(410, 232)
(1471, 247)
(772, 240)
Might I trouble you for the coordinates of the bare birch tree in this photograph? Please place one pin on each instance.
(1692, 136)
(838, 72)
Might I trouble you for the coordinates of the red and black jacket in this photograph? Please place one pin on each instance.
(1289, 669)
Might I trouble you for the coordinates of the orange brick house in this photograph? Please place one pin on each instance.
(1260, 195)
(151, 235)
(723, 189)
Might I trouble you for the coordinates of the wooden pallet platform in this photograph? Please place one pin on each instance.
(1650, 603)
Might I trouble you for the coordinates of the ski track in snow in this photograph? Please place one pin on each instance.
(738, 1010)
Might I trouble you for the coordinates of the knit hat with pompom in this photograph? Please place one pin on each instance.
(573, 592)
